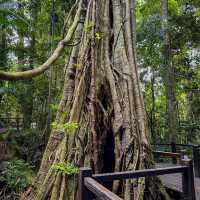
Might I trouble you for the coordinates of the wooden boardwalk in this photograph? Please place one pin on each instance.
(174, 181)
(91, 184)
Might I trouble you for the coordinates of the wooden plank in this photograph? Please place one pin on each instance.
(183, 145)
(168, 154)
(84, 193)
(188, 181)
(196, 158)
(174, 182)
(197, 188)
(139, 173)
(99, 190)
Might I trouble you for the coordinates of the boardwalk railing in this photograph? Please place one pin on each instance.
(195, 154)
(90, 184)
(176, 157)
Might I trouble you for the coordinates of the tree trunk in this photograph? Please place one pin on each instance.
(3, 52)
(169, 77)
(102, 95)
(25, 95)
(192, 117)
(153, 108)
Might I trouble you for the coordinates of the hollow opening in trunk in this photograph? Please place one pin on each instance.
(109, 156)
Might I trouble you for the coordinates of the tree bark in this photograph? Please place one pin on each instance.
(153, 108)
(169, 77)
(192, 114)
(3, 52)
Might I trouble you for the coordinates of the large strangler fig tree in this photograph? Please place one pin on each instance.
(101, 116)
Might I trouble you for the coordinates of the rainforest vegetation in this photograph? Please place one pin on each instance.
(94, 83)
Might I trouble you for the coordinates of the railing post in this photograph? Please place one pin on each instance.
(188, 181)
(173, 148)
(84, 193)
(182, 153)
(196, 158)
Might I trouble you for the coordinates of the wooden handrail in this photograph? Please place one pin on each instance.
(195, 152)
(169, 144)
(89, 185)
(138, 173)
(99, 190)
(168, 154)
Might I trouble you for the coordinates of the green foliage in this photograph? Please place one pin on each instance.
(10, 17)
(97, 36)
(88, 26)
(17, 176)
(68, 125)
(54, 107)
(174, 7)
(184, 29)
(148, 7)
(28, 144)
(65, 168)
(151, 7)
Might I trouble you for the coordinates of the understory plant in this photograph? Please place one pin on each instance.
(16, 176)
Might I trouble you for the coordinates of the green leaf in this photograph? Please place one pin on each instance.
(54, 107)
(14, 18)
(68, 125)
(88, 26)
(97, 36)
(66, 168)
(17, 175)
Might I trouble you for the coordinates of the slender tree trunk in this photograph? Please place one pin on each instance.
(169, 76)
(25, 95)
(191, 137)
(102, 94)
(191, 116)
(3, 52)
(153, 107)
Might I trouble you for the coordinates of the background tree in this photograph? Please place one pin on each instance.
(150, 43)
(168, 74)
